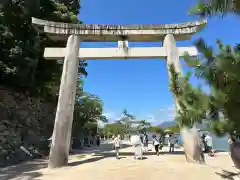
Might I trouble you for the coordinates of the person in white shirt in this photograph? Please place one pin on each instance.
(209, 144)
(208, 140)
(171, 143)
(137, 144)
(117, 142)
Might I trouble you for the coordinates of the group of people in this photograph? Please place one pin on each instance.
(158, 143)
(140, 143)
(92, 140)
(144, 141)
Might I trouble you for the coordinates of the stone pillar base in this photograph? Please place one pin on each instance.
(192, 146)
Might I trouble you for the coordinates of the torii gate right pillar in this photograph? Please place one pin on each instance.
(169, 44)
(191, 138)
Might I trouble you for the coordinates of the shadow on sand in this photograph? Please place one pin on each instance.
(101, 152)
(228, 174)
(149, 153)
(104, 147)
(23, 170)
(90, 160)
(28, 170)
(99, 157)
(106, 151)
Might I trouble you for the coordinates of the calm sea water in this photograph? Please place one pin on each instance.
(219, 144)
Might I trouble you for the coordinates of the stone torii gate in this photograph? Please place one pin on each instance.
(73, 34)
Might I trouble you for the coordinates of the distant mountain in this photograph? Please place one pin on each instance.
(166, 124)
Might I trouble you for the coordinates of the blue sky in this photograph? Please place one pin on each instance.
(141, 86)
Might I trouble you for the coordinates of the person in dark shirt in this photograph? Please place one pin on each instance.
(98, 140)
(145, 142)
(204, 143)
(141, 138)
(156, 144)
(161, 141)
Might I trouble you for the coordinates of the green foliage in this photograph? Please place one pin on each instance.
(220, 128)
(66, 13)
(155, 129)
(123, 125)
(192, 103)
(143, 125)
(22, 65)
(24, 70)
(215, 7)
(73, 5)
(90, 127)
(126, 120)
(119, 128)
(174, 129)
(114, 129)
(88, 110)
(221, 72)
(127, 114)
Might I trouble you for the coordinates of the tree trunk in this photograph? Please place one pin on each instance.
(235, 152)
(192, 146)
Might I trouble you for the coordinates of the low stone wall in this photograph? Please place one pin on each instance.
(24, 121)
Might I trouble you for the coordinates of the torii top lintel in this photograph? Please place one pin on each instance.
(113, 33)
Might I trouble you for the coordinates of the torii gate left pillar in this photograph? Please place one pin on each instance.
(74, 33)
(61, 138)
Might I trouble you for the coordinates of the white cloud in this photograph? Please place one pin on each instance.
(119, 116)
(108, 115)
(163, 114)
(151, 118)
(113, 116)
(171, 113)
(156, 117)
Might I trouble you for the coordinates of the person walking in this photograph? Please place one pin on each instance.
(141, 138)
(137, 146)
(209, 143)
(145, 140)
(171, 143)
(116, 143)
(202, 148)
(98, 140)
(161, 141)
(203, 143)
(89, 140)
(156, 144)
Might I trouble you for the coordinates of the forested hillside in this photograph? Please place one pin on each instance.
(29, 84)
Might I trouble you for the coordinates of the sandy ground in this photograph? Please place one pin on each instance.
(101, 164)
